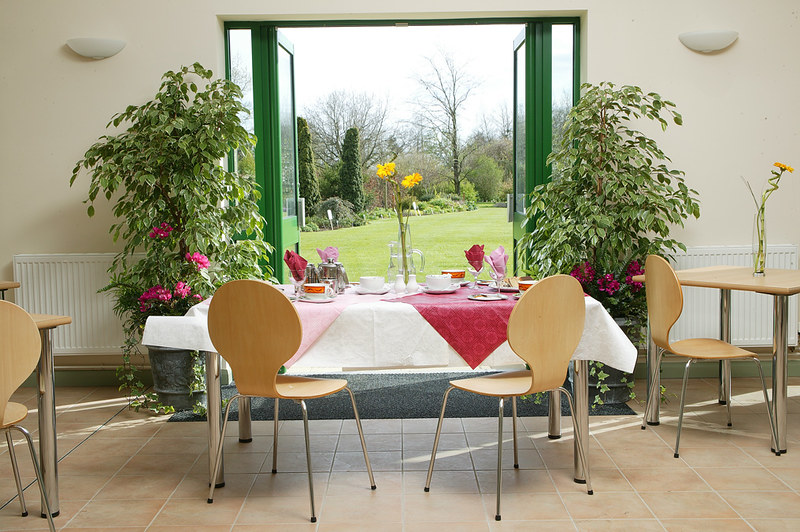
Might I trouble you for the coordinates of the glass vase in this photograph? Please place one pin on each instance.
(759, 243)
(401, 255)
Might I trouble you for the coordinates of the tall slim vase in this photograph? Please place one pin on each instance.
(759, 243)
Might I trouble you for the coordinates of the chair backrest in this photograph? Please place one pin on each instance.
(256, 329)
(546, 326)
(664, 298)
(20, 348)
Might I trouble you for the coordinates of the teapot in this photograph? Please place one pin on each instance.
(333, 272)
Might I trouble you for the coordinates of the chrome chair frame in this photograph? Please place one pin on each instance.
(37, 470)
(302, 403)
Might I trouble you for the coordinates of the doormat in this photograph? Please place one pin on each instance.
(399, 395)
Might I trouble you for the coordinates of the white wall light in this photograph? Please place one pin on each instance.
(95, 48)
(708, 41)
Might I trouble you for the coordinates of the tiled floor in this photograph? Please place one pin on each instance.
(122, 470)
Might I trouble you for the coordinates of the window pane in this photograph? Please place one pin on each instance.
(519, 128)
(563, 80)
(241, 61)
(287, 125)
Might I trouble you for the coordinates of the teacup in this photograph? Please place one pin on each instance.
(317, 290)
(456, 275)
(438, 282)
(525, 284)
(371, 283)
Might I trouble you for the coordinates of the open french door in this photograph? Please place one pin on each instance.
(546, 85)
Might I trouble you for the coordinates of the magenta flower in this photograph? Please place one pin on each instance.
(161, 231)
(634, 268)
(199, 259)
(157, 293)
(584, 273)
(608, 284)
(182, 290)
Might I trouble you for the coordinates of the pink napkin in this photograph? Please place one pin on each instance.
(329, 252)
(497, 259)
(296, 263)
(475, 256)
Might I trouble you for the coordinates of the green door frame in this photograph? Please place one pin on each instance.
(538, 106)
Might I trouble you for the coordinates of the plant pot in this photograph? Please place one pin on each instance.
(173, 373)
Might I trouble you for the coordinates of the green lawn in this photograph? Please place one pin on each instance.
(441, 237)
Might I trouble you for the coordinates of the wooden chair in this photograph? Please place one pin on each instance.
(664, 307)
(544, 329)
(20, 348)
(256, 329)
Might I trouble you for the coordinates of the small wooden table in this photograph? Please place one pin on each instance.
(5, 285)
(46, 383)
(778, 283)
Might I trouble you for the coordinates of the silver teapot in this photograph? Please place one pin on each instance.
(333, 272)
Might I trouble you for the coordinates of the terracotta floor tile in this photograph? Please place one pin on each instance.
(665, 479)
(599, 525)
(278, 510)
(128, 513)
(764, 504)
(380, 461)
(540, 525)
(443, 507)
(706, 525)
(525, 506)
(428, 425)
(237, 485)
(694, 505)
(602, 480)
(446, 460)
(424, 442)
(191, 512)
(722, 457)
(775, 525)
(605, 505)
(345, 482)
(517, 481)
(374, 508)
(744, 478)
(139, 487)
(288, 484)
(441, 481)
(296, 462)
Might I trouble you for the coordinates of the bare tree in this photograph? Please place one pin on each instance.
(446, 86)
(339, 111)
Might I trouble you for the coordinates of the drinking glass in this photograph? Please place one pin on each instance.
(298, 285)
(497, 277)
(475, 273)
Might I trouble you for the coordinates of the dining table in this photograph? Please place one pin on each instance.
(45, 386)
(780, 284)
(7, 285)
(357, 331)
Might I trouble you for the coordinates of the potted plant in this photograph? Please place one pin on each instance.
(177, 209)
(611, 201)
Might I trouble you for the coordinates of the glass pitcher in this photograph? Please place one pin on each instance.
(395, 254)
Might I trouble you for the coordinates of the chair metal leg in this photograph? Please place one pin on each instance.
(653, 394)
(766, 402)
(514, 427)
(729, 390)
(499, 456)
(39, 478)
(218, 450)
(361, 435)
(308, 460)
(436, 438)
(15, 468)
(275, 440)
(579, 440)
(683, 405)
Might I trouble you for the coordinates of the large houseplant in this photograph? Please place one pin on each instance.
(177, 208)
(612, 200)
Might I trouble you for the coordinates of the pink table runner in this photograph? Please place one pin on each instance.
(473, 328)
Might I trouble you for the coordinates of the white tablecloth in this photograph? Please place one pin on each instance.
(394, 335)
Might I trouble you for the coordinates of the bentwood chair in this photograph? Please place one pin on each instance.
(544, 329)
(664, 307)
(256, 329)
(20, 347)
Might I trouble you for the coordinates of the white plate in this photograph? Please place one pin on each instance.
(363, 291)
(313, 300)
(488, 297)
(450, 290)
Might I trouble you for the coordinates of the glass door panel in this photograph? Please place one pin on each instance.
(290, 230)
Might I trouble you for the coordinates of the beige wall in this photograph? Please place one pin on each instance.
(740, 106)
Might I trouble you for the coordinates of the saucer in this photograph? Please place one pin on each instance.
(314, 300)
(450, 290)
(487, 297)
(363, 291)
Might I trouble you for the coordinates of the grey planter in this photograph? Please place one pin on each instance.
(172, 377)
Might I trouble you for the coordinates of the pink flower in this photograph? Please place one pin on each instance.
(161, 231)
(584, 273)
(608, 284)
(158, 293)
(634, 268)
(199, 259)
(182, 290)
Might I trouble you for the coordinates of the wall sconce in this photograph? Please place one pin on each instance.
(708, 41)
(95, 48)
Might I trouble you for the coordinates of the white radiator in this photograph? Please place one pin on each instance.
(67, 284)
(751, 313)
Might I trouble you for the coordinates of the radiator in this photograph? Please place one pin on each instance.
(751, 313)
(67, 284)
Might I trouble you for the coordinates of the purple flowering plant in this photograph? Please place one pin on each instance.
(619, 294)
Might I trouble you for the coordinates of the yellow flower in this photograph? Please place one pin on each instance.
(410, 180)
(784, 167)
(385, 170)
